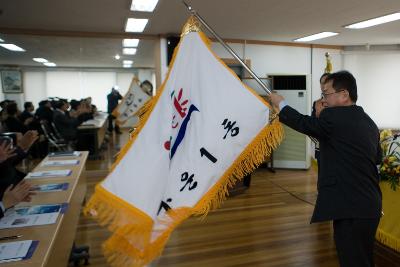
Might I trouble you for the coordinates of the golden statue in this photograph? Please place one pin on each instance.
(328, 68)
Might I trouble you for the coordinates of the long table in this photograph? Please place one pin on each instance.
(55, 240)
(91, 134)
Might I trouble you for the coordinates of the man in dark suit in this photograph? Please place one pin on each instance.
(112, 103)
(348, 180)
(27, 113)
(66, 124)
(44, 112)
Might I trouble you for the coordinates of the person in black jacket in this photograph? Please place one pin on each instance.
(316, 110)
(44, 112)
(66, 124)
(348, 179)
(12, 123)
(11, 195)
(27, 113)
(112, 99)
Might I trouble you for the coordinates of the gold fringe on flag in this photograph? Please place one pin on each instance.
(130, 243)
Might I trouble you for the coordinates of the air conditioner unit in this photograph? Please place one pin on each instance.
(295, 150)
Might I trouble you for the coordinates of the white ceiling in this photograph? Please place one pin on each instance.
(272, 20)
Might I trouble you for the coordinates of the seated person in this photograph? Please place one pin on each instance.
(44, 112)
(3, 112)
(74, 107)
(13, 194)
(9, 158)
(27, 113)
(12, 123)
(66, 124)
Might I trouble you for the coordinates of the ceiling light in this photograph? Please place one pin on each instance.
(129, 51)
(374, 22)
(135, 25)
(127, 62)
(144, 5)
(1, 40)
(117, 57)
(316, 36)
(130, 42)
(127, 66)
(40, 60)
(49, 64)
(13, 47)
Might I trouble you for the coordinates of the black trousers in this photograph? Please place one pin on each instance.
(355, 240)
(110, 124)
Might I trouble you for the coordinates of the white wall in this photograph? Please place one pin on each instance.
(378, 87)
(271, 59)
(74, 84)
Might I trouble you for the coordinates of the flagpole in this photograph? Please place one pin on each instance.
(227, 47)
(230, 50)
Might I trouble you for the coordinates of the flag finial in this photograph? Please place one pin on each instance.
(328, 68)
(192, 25)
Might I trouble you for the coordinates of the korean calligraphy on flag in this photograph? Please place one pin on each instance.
(134, 99)
(201, 133)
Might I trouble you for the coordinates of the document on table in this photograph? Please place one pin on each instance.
(64, 154)
(70, 162)
(49, 187)
(16, 251)
(32, 215)
(46, 174)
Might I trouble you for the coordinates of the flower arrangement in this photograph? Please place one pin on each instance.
(390, 167)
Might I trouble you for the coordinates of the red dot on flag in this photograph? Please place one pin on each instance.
(167, 145)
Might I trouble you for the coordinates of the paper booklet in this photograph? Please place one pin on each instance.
(17, 251)
(32, 215)
(49, 187)
(47, 174)
(64, 154)
(49, 163)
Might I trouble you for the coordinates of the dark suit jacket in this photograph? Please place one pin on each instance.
(15, 125)
(24, 116)
(112, 99)
(9, 174)
(66, 125)
(44, 113)
(349, 152)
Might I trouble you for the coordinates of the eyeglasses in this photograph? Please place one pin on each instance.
(324, 95)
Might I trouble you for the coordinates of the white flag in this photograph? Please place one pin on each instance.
(134, 99)
(202, 132)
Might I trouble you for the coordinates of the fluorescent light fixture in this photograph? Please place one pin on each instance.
(130, 42)
(135, 25)
(127, 62)
(117, 57)
(13, 47)
(144, 5)
(129, 51)
(127, 65)
(374, 22)
(40, 60)
(49, 64)
(316, 36)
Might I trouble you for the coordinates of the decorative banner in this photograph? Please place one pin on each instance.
(134, 99)
(202, 133)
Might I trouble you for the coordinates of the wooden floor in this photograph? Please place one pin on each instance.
(263, 226)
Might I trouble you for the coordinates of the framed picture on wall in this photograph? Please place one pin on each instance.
(11, 81)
